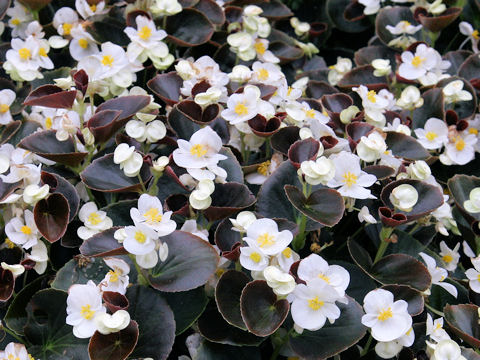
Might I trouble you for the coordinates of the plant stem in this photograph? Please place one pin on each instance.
(12, 334)
(144, 189)
(367, 346)
(140, 278)
(299, 241)
(435, 311)
(384, 235)
(277, 350)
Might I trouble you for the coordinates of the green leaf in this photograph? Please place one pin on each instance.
(405, 146)
(460, 187)
(51, 216)
(463, 320)
(114, 346)
(227, 295)
(189, 28)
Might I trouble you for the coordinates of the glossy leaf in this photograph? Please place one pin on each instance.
(51, 216)
(227, 295)
(166, 87)
(460, 187)
(228, 199)
(405, 146)
(60, 185)
(114, 346)
(261, 311)
(303, 150)
(102, 244)
(190, 263)
(433, 106)
(103, 124)
(128, 105)
(363, 75)
(51, 96)
(212, 11)
(463, 320)
(7, 284)
(189, 28)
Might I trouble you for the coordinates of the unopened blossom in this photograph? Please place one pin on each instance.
(94, 221)
(438, 274)
(108, 324)
(319, 171)
(300, 27)
(264, 234)
(15, 269)
(365, 216)
(450, 257)
(243, 220)
(419, 170)
(389, 349)
(410, 98)
(39, 254)
(281, 282)
(371, 6)
(472, 205)
(34, 193)
(446, 350)
(200, 198)
(388, 319)
(404, 197)
(165, 7)
(150, 212)
(84, 304)
(129, 160)
(382, 67)
(371, 147)
(338, 70)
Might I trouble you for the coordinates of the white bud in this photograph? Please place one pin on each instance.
(107, 324)
(243, 221)
(34, 193)
(472, 205)
(404, 197)
(16, 269)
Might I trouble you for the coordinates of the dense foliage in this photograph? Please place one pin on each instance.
(244, 179)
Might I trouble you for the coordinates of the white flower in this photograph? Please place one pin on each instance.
(454, 92)
(166, 7)
(240, 74)
(446, 350)
(193, 228)
(314, 267)
(39, 254)
(286, 258)
(140, 239)
(338, 70)
(161, 163)
(473, 275)
(264, 170)
(472, 34)
(281, 282)
(449, 256)
(319, 171)
(374, 104)
(416, 65)
(84, 304)
(116, 279)
(410, 98)
(130, 161)
(150, 213)
(200, 198)
(86, 10)
(459, 150)
(263, 233)
(108, 324)
(267, 73)
(23, 233)
(34, 193)
(419, 170)
(94, 221)
(472, 205)
(148, 260)
(64, 20)
(389, 349)
(371, 147)
(23, 59)
(211, 96)
(28, 173)
(313, 304)
(263, 54)
(371, 6)
(300, 27)
(403, 27)
(404, 197)
(438, 274)
(252, 258)
(433, 135)
(15, 351)
(82, 43)
(200, 152)
(364, 215)
(140, 131)
(387, 319)
(382, 67)
(242, 107)
(243, 220)
(437, 7)
(242, 44)
(350, 178)
(7, 97)
(16, 269)
(20, 17)
(435, 329)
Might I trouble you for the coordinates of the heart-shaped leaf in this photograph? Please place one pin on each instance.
(212, 11)
(303, 150)
(115, 301)
(332, 338)
(51, 96)
(60, 185)
(51, 216)
(363, 75)
(103, 124)
(189, 28)
(262, 312)
(128, 105)
(405, 146)
(102, 244)
(227, 295)
(166, 87)
(45, 144)
(7, 284)
(325, 206)
(190, 263)
(104, 175)
(114, 346)
(463, 320)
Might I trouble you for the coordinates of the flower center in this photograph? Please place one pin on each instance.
(144, 33)
(459, 144)
(4, 108)
(153, 215)
(263, 168)
(10, 244)
(289, 90)
(13, 357)
(349, 179)
(478, 277)
(67, 28)
(48, 122)
(241, 109)
(385, 314)
(42, 52)
(315, 304)
(310, 113)
(93, 7)
(26, 230)
(86, 312)
(263, 74)
(431, 135)
(113, 276)
(198, 150)
(476, 34)
(371, 96)
(417, 61)
(405, 24)
(83, 43)
(24, 53)
(94, 218)
(260, 48)
(256, 257)
(265, 240)
(447, 258)
(140, 237)
(473, 131)
(287, 252)
(17, 21)
(107, 60)
(324, 278)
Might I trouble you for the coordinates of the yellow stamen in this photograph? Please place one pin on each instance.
(15, 22)
(287, 252)
(447, 258)
(263, 168)
(48, 123)
(417, 61)
(94, 218)
(26, 230)
(431, 135)
(24, 53)
(473, 131)
(87, 312)
(4, 108)
(198, 150)
(260, 48)
(265, 240)
(241, 109)
(324, 278)
(405, 23)
(349, 179)
(144, 33)
(107, 60)
(371, 96)
(113, 275)
(315, 304)
(476, 34)
(310, 113)
(153, 215)
(478, 277)
(67, 28)
(256, 257)
(10, 244)
(289, 91)
(385, 314)
(263, 74)
(83, 43)
(459, 144)
(140, 237)
(93, 7)
(42, 52)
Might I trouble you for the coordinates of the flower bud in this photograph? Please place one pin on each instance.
(281, 283)
(161, 163)
(107, 324)
(472, 205)
(34, 193)
(419, 170)
(348, 114)
(319, 171)
(88, 136)
(371, 147)
(382, 67)
(16, 269)
(404, 197)
(243, 221)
